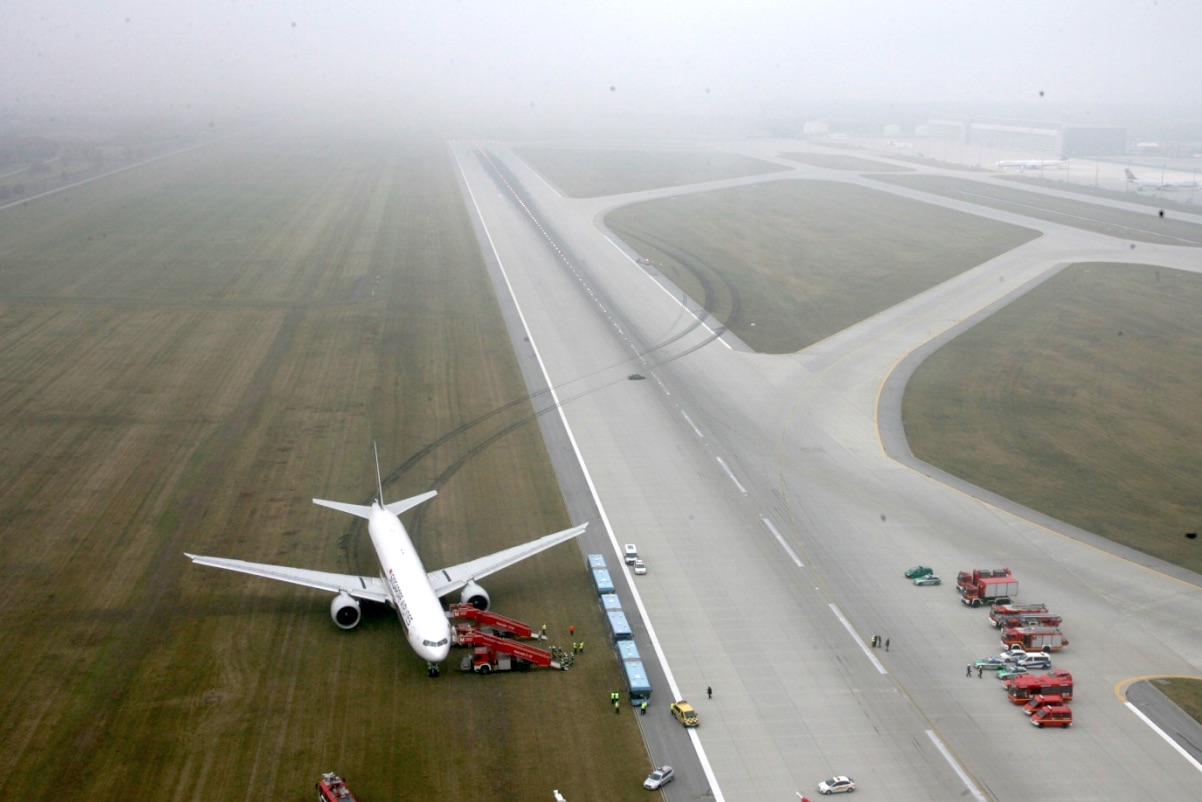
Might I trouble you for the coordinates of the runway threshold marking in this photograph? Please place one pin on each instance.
(792, 555)
(951, 761)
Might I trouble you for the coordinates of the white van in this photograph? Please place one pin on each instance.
(631, 553)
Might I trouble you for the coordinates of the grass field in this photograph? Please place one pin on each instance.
(1079, 214)
(787, 263)
(588, 173)
(190, 352)
(1185, 693)
(1081, 400)
(839, 161)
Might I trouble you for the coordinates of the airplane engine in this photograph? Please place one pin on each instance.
(474, 595)
(345, 611)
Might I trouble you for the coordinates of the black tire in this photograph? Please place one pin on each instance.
(485, 669)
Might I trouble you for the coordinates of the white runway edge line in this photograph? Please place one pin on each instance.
(859, 641)
(1164, 735)
(715, 791)
(951, 761)
(792, 555)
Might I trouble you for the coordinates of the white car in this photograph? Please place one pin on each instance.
(640, 567)
(659, 778)
(837, 785)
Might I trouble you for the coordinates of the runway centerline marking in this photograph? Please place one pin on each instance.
(783, 544)
(856, 637)
(951, 761)
(731, 474)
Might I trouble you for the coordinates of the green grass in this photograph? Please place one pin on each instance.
(1079, 214)
(838, 161)
(588, 173)
(785, 264)
(192, 351)
(1082, 400)
(1185, 693)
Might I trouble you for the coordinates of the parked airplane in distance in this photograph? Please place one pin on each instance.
(1032, 164)
(1163, 185)
(403, 583)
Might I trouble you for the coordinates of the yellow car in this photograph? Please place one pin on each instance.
(685, 713)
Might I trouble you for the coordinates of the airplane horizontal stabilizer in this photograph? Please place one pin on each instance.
(397, 507)
(353, 509)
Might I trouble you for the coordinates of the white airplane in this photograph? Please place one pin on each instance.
(1162, 185)
(403, 583)
(1032, 164)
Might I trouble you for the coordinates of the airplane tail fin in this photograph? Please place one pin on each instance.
(1130, 175)
(379, 480)
(396, 507)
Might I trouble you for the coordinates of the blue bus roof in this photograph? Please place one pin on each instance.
(610, 601)
(627, 650)
(602, 581)
(636, 676)
(596, 561)
(618, 625)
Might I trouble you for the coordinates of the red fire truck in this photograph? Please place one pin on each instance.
(332, 788)
(1022, 689)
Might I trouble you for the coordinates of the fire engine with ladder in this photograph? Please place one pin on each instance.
(499, 649)
(332, 788)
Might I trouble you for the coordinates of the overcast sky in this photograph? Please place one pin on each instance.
(594, 57)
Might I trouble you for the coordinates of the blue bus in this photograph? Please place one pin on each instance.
(602, 581)
(627, 650)
(596, 561)
(610, 601)
(619, 627)
(637, 682)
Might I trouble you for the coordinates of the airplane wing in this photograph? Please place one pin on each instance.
(365, 588)
(449, 580)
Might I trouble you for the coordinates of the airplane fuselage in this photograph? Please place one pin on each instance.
(411, 596)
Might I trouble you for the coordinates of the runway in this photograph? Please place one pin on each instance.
(777, 507)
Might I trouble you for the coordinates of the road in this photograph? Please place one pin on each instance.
(776, 505)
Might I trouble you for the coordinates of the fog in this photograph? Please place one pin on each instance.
(478, 63)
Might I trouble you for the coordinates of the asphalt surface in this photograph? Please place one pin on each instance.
(777, 506)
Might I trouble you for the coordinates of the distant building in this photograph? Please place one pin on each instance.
(1051, 138)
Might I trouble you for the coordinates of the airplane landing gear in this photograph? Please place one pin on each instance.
(432, 670)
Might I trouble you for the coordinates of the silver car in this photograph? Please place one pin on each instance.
(659, 778)
(837, 785)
